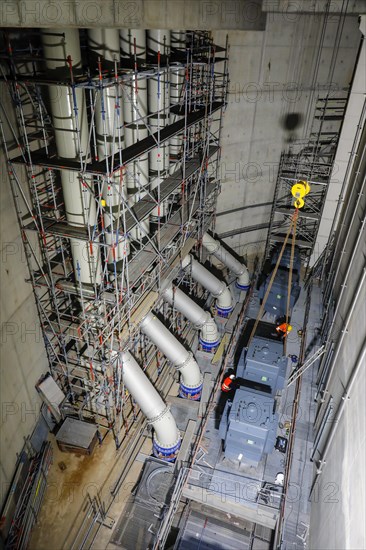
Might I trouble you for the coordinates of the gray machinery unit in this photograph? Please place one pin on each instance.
(248, 426)
(263, 361)
(276, 302)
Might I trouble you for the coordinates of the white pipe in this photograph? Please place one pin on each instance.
(183, 360)
(166, 434)
(158, 42)
(239, 269)
(192, 311)
(131, 39)
(217, 288)
(135, 116)
(78, 195)
(109, 132)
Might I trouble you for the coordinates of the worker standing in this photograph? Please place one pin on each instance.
(285, 328)
(228, 383)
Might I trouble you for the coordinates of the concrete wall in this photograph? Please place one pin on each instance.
(22, 351)
(338, 501)
(273, 74)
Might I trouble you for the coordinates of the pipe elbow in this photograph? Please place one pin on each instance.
(209, 332)
(224, 302)
(243, 280)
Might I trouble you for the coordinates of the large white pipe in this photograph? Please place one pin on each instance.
(109, 137)
(215, 248)
(71, 135)
(135, 113)
(217, 288)
(133, 42)
(158, 42)
(201, 319)
(166, 439)
(183, 360)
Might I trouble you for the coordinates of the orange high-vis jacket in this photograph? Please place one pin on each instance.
(283, 328)
(226, 385)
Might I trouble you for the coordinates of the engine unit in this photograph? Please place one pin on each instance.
(248, 426)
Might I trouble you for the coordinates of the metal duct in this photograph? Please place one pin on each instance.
(109, 138)
(201, 319)
(166, 439)
(70, 124)
(158, 43)
(183, 360)
(239, 269)
(217, 288)
(133, 45)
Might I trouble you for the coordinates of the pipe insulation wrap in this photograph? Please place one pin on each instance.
(151, 404)
(205, 278)
(239, 269)
(182, 359)
(193, 312)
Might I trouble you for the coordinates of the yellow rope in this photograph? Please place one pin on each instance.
(290, 277)
(261, 309)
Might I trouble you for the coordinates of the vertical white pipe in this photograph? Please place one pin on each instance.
(158, 43)
(177, 75)
(166, 437)
(109, 130)
(78, 192)
(217, 288)
(183, 360)
(135, 113)
(192, 311)
(131, 39)
(215, 248)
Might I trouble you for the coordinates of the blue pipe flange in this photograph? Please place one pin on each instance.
(190, 393)
(208, 346)
(169, 454)
(223, 311)
(242, 287)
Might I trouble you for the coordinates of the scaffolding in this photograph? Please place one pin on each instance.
(308, 160)
(84, 323)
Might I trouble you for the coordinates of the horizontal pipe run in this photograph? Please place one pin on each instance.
(215, 248)
(201, 319)
(183, 360)
(217, 288)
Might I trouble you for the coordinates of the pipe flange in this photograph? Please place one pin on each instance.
(186, 361)
(159, 416)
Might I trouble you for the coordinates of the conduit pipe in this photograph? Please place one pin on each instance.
(166, 438)
(109, 138)
(209, 338)
(177, 76)
(183, 360)
(215, 248)
(70, 124)
(217, 288)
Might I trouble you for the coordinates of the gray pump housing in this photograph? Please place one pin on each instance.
(248, 426)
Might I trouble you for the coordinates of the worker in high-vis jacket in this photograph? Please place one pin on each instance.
(284, 328)
(228, 383)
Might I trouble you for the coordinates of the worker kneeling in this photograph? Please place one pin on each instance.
(284, 328)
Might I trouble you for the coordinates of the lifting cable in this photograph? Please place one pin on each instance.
(290, 275)
(261, 309)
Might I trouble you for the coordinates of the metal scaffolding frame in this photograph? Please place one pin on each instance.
(83, 323)
(308, 160)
